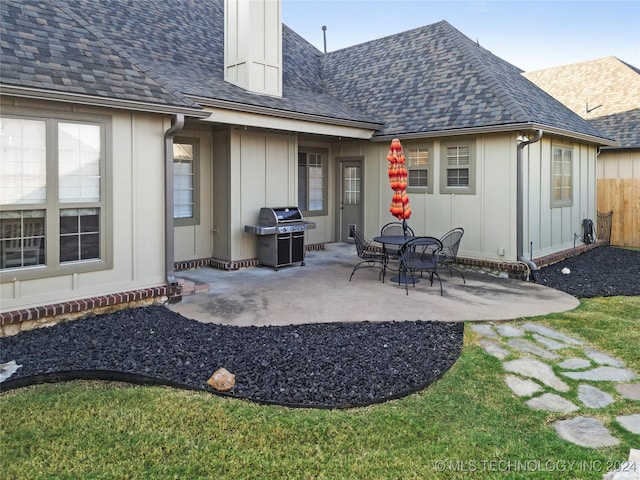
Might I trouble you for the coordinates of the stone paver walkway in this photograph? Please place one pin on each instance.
(531, 352)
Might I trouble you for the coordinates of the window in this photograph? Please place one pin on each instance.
(52, 202)
(185, 182)
(561, 177)
(418, 164)
(312, 182)
(457, 173)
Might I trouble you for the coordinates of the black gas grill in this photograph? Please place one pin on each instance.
(280, 236)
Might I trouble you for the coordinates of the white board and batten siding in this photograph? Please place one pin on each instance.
(134, 210)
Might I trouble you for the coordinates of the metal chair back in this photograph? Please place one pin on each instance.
(450, 244)
(370, 257)
(395, 229)
(420, 254)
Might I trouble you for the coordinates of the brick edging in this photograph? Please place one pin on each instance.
(559, 256)
(28, 318)
(230, 265)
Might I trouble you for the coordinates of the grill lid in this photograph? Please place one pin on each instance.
(274, 216)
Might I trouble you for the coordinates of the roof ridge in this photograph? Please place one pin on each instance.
(468, 48)
(384, 38)
(66, 10)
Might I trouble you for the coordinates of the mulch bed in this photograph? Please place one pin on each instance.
(601, 272)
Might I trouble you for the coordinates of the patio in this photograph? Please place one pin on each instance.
(320, 291)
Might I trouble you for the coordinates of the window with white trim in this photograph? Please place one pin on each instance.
(52, 201)
(457, 172)
(312, 181)
(186, 207)
(418, 163)
(561, 176)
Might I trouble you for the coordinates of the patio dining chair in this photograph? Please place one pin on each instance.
(450, 243)
(369, 257)
(419, 254)
(395, 229)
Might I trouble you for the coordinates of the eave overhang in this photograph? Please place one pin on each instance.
(290, 123)
(273, 112)
(41, 94)
(512, 127)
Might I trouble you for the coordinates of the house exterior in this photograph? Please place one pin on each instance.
(141, 136)
(606, 93)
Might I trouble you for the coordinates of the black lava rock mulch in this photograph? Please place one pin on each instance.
(601, 272)
(332, 365)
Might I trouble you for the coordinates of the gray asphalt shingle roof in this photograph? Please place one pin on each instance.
(170, 52)
(43, 47)
(434, 78)
(609, 87)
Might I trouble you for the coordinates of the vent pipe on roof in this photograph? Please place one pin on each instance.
(324, 36)
(523, 141)
(177, 123)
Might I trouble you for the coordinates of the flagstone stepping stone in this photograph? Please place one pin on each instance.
(630, 391)
(510, 331)
(521, 387)
(528, 347)
(484, 330)
(575, 363)
(532, 368)
(552, 403)
(492, 348)
(602, 358)
(593, 397)
(630, 422)
(550, 332)
(548, 342)
(610, 374)
(586, 432)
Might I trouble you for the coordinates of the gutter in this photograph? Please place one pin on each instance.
(512, 127)
(520, 207)
(274, 112)
(40, 94)
(177, 123)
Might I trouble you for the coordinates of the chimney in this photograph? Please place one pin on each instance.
(253, 45)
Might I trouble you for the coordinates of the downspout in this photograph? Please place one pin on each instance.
(177, 123)
(520, 207)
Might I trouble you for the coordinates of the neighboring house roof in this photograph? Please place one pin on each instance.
(605, 91)
(428, 81)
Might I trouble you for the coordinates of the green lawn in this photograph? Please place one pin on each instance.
(466, 425)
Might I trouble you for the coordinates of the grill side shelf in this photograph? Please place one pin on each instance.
(260, 230)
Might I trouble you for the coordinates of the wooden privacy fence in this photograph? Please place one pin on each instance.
(622, 196)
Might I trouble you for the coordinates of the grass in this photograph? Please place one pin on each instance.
(467, 424)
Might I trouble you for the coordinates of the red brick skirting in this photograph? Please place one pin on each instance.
(559, 256)
(227, 264)
(28, 318)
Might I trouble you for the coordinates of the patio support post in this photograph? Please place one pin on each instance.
(177, 123)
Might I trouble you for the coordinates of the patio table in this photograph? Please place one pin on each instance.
(398, 241)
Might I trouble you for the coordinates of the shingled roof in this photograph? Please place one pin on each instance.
(432, 80)
(435, 79)
(46, 49)
(605, 91)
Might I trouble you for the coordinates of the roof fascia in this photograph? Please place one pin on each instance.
(247, 119)
(500, 129)
(272, 112)
(37, 94)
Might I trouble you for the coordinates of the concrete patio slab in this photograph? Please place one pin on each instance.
(321, 291)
